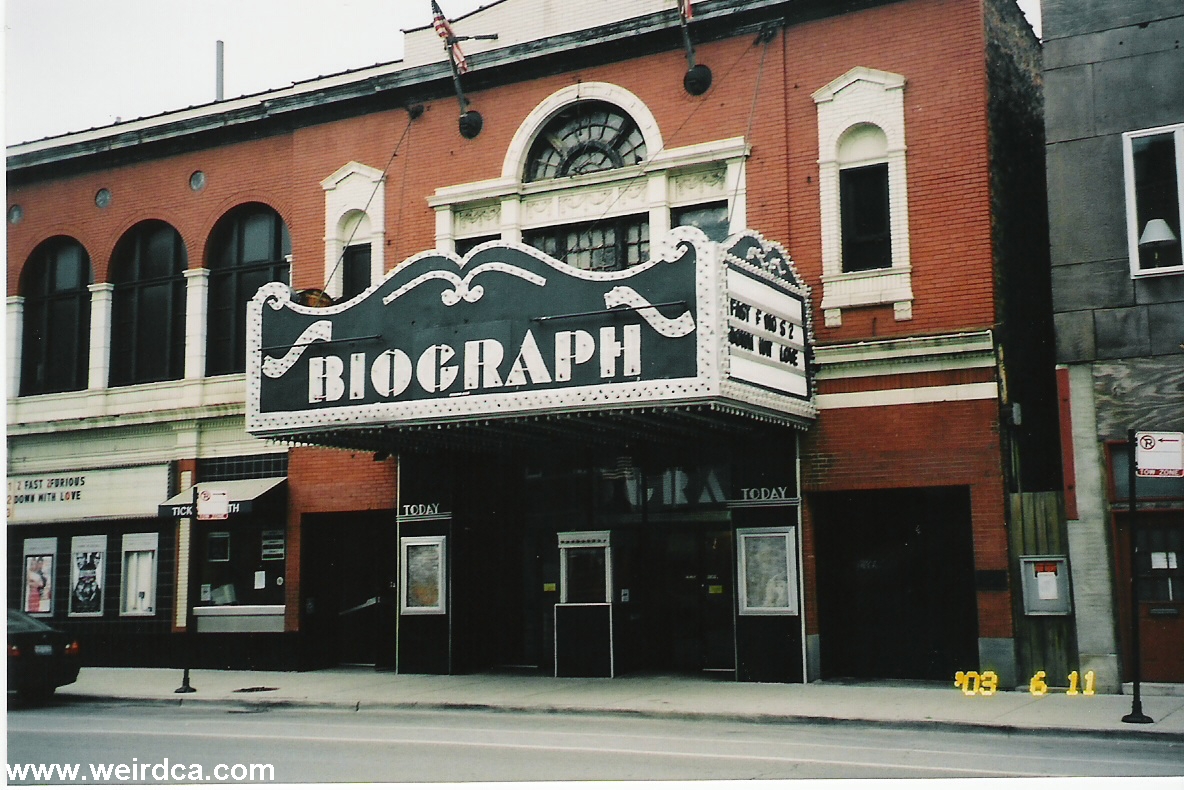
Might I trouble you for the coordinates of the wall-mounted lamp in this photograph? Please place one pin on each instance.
(698, 77)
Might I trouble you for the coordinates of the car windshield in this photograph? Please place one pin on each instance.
(21, 623)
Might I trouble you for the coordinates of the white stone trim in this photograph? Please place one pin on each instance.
(863, 96)
(99, 364)
(988, 390)
(354, 189)
(159, 401)
(197, 289)
(1132, 221)
(15, 327)
(882, 357)
(181, 596)
(520, 144)
(699, 173)
(1092, 574)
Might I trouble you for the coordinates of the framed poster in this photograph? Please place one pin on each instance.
(138, 590)
(422, 576)
(88, 553)
(40, 554)
(768, 571)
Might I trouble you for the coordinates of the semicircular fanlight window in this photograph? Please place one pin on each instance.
(586, 137)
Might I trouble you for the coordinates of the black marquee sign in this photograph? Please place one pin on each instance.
(509, 331)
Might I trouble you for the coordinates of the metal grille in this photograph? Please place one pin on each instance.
(242, 467)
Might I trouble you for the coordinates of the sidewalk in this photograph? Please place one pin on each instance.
(884, 703)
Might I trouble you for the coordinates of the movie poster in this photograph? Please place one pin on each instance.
(88, 554)
(39, 554)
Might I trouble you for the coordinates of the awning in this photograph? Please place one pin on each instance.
(258, 495)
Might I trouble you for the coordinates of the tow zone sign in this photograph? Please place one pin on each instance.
(1159, 454)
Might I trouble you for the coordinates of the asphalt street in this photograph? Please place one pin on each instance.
(460, 746)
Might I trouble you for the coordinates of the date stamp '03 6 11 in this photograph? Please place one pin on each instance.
(987, 683)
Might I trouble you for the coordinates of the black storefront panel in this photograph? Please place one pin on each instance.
(426, 541)
(109, 583)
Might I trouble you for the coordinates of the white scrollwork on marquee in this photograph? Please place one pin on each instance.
(624, 296)
(462, 288)
(274, 368)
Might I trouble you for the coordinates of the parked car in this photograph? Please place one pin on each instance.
(40, 657)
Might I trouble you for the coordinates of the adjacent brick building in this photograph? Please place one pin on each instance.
(891, 149)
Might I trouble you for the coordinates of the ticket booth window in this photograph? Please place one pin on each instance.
(584, 567)
(768, 571)
(422, 576)
(138, 590)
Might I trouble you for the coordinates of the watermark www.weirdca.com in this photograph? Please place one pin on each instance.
(136, 771)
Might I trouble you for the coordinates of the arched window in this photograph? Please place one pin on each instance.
(148, 305)
(863, 194)
(585, 137)
(863, 199)
(56, 337)
(249, 247)
(589, 137)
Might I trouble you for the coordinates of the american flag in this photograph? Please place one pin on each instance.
(444, 31)
(684, 8)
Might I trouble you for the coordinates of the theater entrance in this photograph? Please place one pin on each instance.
(677, 599)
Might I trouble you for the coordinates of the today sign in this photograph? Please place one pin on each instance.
(1159, 454)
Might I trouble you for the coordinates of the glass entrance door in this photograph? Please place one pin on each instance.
(693, 600)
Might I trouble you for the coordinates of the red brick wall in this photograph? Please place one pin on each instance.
(936, 44)
(930, 444)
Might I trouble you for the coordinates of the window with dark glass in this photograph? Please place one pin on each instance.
(1161, 563)
(465, 246)
(1157, 200)
(712, 219)
(585, 579)
(355, 270)
(56, 334)
(248, 248)
(148, 305)
(863, 205)
(585, 137)
(605, 245)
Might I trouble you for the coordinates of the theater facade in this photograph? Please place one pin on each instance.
(598, 469)
(712, 345)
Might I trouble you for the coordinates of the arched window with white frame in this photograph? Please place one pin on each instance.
(355, 231)
(56, 332)
(588, 179)
(863, 194)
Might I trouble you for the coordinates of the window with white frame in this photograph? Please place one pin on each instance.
(1154, 166)
(137, 595)
(585, 567)
(863, 193)
(768, 570)
(422, 575)
(587, 178)
(355, 230)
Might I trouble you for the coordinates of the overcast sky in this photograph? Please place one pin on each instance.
(75, 64)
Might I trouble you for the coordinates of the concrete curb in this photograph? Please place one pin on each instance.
(569, 710)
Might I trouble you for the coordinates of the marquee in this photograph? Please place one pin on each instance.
(507, 331)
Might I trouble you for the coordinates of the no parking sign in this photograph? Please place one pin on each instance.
(1159, 454)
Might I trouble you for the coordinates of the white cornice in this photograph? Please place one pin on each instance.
(906, 355)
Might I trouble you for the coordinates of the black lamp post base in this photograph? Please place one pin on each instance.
(185, 687)
(1136, 716)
